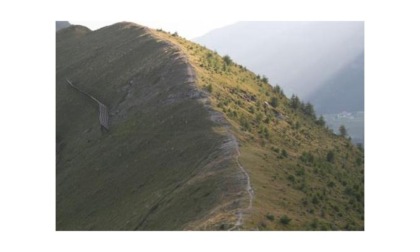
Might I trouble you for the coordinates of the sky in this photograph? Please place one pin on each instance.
(188, 29)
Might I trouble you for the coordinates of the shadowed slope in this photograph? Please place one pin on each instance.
(162, 165)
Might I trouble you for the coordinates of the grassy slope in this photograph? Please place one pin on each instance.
(311, 191)
(161, 166)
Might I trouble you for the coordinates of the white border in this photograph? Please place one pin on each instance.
(28, 149)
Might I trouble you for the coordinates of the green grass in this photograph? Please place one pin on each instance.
(161, 166)
(287, 183)
(152, 170)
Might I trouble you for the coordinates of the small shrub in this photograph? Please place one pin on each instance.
(274, 101)
(331, 184)
(308, 109)
(244, 123)
(265, 132)
(269, 216)
(285, 220)
(296, 125)
(321, 121)
(359, 161)
(343, 131)
(209, 88)
(284, 153)
(277, 89)
(263, 225)
(300, 172)
(265, 79)
(291, 178)
(349, 191)
(258, 117)
(314, 224)
(227, 60)
(307, 157)
(315, 200)
(330, 156)
(295, 102)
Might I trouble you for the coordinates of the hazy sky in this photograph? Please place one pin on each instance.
(186, 28)
(299, 56)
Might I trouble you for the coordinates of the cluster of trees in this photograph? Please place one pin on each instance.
(305, 108)
(277, 89)
(308, 110)
(295, 103)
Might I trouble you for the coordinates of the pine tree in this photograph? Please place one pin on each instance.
(227, 60)
(308, 109)
(277, 89)
(294, 102)
(321, 121)
(343, 131)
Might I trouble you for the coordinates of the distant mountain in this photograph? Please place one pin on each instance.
(61, 25)
(321, 62)
(299, 56)
(344, 91)
(193, 141)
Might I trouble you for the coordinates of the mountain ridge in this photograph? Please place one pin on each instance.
(173, 156)
(175, 66)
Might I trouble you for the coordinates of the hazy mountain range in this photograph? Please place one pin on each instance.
(343, 91)
(321, 62)
(301, 57)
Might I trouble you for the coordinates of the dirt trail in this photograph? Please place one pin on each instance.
(230, 146)
(249, 189)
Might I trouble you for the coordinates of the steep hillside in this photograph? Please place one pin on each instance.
(164, 164)
(321, 62)
(303, 176)
(195, 142)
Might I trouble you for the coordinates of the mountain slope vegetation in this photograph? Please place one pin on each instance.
(163, 164)
(321, 62)
(196, 142)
